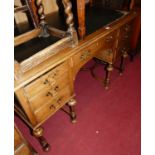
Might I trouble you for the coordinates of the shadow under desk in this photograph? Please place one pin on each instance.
(96, 18)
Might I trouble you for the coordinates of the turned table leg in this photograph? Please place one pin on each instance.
(71, 105)
(38, 133)
(81, 18)
(41, 15)
(124, 55)
(109, 69)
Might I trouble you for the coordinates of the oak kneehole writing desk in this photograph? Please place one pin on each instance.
(43, 87)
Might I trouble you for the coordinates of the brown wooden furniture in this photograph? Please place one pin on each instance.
(44, 76)
(21, 146)
(52, 84)
(115, 50)
(81, 11)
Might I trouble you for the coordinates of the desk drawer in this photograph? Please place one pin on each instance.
(55, 104)
(107, 52)
(106, 55)
(47, 80)
(124, 41)
(85, 55)
(48, 94)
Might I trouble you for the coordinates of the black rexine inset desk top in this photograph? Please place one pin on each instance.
(96, 18)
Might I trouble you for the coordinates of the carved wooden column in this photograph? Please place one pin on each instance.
(42, 23)
(34, 12)
(69, 21)
(81, 18)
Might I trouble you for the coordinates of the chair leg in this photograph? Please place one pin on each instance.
(71, 105)
(109, 69)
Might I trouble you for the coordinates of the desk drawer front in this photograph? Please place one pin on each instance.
(55, 104)
(107, 51)
(85, 55)
(49, 93)
(124, 42)
(126, 32)
(106, 55)
(46, 81)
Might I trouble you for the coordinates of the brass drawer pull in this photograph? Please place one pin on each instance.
(109, 38)
(54, 107)
(59, 101)
(85, 55)
(127, 28)
(49, 94)
(46, 82)
(52, 93)
(49, 81)
(56, 88)
(54, 74)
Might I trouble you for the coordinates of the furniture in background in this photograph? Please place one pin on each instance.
(46, 67)
(21, 146)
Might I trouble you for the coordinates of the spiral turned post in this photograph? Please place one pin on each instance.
(42, 23)
(69, 20)
(68, 11)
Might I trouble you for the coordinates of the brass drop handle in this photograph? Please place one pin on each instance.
(46, 81)
(109, 38)
(52, 107)
(49, 81)
(49, 94)
(54, 74)
(127, 28)
(59, 101)
(56, 88)
(85, 55)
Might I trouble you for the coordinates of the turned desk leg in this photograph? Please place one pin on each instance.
(34, 152)
(38, 133)
(81, 18)
(121, 68)
(109, 69)
(71, 105)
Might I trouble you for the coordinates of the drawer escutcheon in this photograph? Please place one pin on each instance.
(85, 55)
